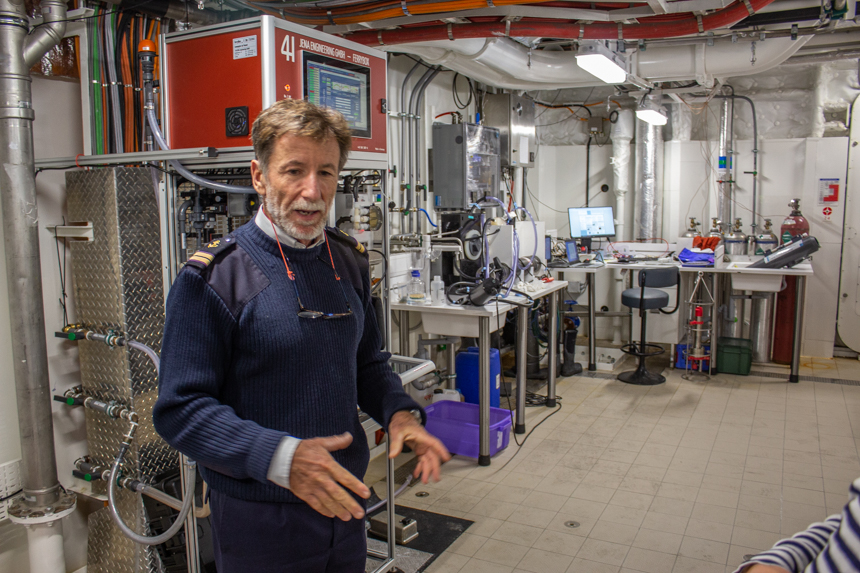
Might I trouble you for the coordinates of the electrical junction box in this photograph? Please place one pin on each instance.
(514, 117)
(595, 125)
(217, 79)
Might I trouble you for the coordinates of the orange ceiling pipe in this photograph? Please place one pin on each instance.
(376, 11)
(644, 30)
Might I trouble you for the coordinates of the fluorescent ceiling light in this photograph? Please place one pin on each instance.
(652, 112)
(652, 116)
(601, 62)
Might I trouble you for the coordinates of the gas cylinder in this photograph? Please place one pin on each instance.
(716, 229)
(783, 336)
(766, 240)
(693, 231)
(795, 224)
(736, 240)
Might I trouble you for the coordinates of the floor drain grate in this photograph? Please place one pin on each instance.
(422, 494)
(571, 524)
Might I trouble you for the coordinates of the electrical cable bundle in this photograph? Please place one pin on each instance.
(116, 95)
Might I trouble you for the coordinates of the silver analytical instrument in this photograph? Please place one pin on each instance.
(465, 164)
(514, 116)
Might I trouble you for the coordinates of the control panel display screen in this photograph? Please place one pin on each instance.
(342, 86)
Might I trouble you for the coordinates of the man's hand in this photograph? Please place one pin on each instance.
(431, 453)
(314, 478)
(762, 568)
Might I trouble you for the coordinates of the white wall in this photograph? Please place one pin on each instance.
(557, 183)
(788, 168)
(57, 133)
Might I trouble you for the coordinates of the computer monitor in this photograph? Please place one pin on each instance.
(591, 222)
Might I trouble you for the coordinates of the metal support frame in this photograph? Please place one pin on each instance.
(389, 556)
(522, 364)
(552, 349)
(592, 341)
(799, 304)
(484, 388)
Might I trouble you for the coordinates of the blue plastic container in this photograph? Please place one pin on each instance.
(468, 377)
(456, 424)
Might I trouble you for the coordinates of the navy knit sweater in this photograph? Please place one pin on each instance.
(240, 370)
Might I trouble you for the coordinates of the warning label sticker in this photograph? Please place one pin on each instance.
(828, 191)
(244, 47)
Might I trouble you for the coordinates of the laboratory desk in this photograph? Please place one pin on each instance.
(762, 280)
(480, 321)
(589, 272)
(743, 278)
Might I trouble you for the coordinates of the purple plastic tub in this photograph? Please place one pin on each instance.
(456, 424)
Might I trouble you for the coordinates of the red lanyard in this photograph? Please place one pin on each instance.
(286, 266)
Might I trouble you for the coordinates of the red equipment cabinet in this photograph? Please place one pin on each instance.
(217, 79)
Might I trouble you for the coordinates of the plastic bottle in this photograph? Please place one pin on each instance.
(415, 290)
(437, 290)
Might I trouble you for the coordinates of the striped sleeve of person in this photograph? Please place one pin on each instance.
(831, 546)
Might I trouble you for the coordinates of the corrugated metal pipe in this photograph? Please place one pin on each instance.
(648, 202)
(42, 493)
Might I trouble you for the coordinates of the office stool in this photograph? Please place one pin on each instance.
(647, 297)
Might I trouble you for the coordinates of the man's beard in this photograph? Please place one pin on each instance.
(281, 217)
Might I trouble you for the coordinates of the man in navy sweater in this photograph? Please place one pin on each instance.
(270, 343)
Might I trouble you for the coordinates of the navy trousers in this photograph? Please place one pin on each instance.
(257, 537)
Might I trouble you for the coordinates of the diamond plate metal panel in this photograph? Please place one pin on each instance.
(117, 280)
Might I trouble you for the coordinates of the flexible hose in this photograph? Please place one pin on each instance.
(152, 120)
(428, 217)
(191, 481)
(146, 350)
(382, 502)
(187, 503)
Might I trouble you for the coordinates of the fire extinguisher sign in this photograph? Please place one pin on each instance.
(828, 191)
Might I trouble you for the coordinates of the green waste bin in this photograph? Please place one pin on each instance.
(734, 355)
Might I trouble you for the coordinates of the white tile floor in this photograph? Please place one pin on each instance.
(683, 477)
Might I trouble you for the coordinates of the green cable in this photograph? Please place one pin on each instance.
(98, 93)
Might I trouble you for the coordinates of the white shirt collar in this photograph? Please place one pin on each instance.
(266, 226)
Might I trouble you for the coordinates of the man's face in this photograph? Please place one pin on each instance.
(300, 185)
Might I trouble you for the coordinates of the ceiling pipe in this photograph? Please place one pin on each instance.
(507, 64)
(648, 28)
(43, 502)
(172, 10)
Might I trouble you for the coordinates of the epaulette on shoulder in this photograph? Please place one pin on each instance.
(347, 239)
(205, 256)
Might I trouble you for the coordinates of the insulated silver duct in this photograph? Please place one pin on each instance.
(621, 134)
(725, 165)
(42, 492)
(648, 202)
(24, 270)
(48, 34)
